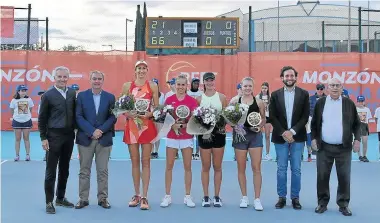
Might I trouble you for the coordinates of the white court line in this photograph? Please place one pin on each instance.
(3, 162)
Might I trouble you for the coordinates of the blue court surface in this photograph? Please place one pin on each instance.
(120, 150)
(23, 199)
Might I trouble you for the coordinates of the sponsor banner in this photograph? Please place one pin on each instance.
(7, 21)
(360, 73)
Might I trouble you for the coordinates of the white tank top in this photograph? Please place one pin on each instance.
(213, 101)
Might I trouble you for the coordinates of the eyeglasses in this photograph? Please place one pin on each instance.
(335, 85)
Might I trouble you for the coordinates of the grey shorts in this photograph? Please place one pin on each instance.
(364, 130)
(253, 140)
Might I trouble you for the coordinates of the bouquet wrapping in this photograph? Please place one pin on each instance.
(202, 122)
(162, 116)
(235, 115)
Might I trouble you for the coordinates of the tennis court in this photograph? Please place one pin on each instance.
(23, 194)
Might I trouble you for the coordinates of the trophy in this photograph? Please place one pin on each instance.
(254, 120)
(142, 106)
(182, 113)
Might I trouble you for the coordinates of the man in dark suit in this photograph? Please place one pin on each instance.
(95, 132)
(289, 112)
(335, 121)
(56, 123)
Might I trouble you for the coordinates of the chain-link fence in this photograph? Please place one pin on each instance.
(28, 33)
(299, 28)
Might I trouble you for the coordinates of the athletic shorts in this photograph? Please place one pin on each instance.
(22, 125)
(364, 130)
(218, 140)
(180, 143)
(378, 135)
(253, 140)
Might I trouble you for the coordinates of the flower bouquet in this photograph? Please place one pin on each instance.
(202, 122)
(160, 113)
(126, 103)
(162, 117)
(235, 115)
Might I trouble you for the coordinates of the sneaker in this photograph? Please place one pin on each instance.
(50, 208)
(206, 201)
(365, 159)
(268, 157)
(309, 159)
(134, 201)
(313, 157)
(17, 158)
(144, 205)
(360, 158)
(217, 202)
(64, 203)
(188, 201)
(244, 202)
(166, 201)
(196, 156)
(257, 205)
(27, 158)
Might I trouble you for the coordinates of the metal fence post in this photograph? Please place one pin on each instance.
(28, 29)
(47, 33)
(323, 36)
(360, 30)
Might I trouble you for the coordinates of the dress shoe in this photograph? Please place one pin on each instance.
(64, 203)
(345, 211)
(296, 204)
(50, 208)
(320, 209)
(81, 204)
(281, 203)
(104, 204)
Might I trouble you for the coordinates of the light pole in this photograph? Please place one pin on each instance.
(126, 33)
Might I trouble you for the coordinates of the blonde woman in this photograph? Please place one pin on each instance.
(253, 144)
(179, 139)
(141, 89)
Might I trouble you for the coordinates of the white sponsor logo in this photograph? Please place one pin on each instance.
(346, 77)
(32, 75)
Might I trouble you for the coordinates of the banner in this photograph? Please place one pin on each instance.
(360, 73)
(7, 21)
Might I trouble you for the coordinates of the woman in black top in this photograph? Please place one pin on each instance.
(253, 144)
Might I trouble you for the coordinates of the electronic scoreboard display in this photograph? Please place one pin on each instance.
(192, 32)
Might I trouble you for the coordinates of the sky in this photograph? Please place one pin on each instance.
(97, 24)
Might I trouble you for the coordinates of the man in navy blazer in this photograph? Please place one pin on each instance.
(95, 137)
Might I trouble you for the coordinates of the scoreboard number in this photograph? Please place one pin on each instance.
(160, 41)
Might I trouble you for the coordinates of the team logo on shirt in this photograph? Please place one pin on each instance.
(22, 107)
(182, 111)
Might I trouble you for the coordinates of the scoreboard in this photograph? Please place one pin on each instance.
(222, 33)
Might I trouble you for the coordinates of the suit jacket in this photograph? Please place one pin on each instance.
(300, 117)
(351, 122)
(56, 112)
(88, 121)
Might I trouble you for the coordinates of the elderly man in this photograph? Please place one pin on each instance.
(56, 123)
(333, 137)
(94, 137)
